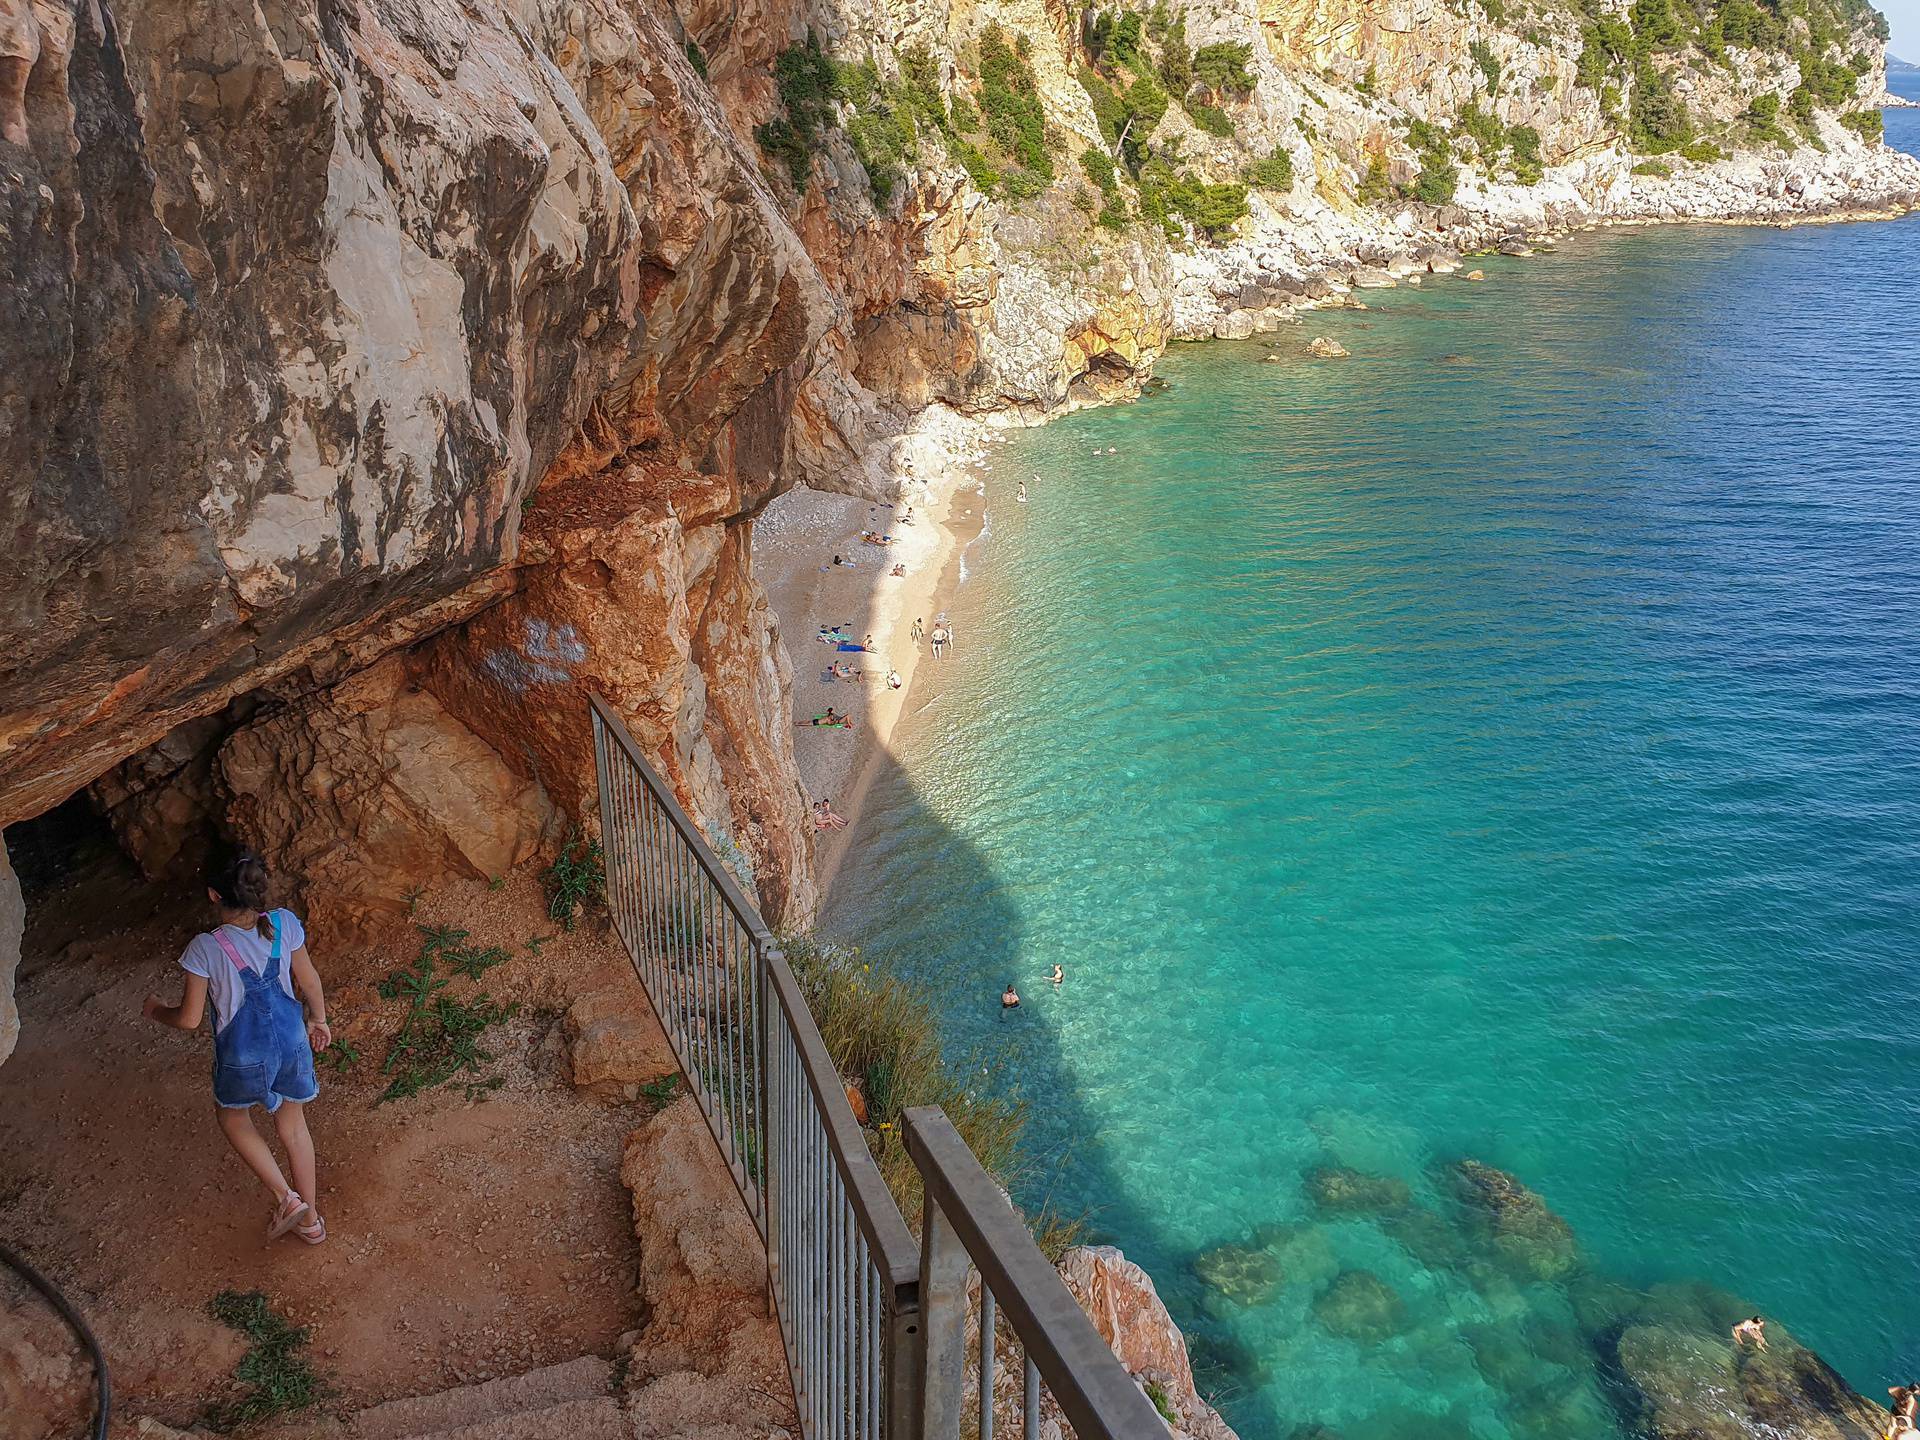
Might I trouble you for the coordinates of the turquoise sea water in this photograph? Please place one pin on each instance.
(1502, 744)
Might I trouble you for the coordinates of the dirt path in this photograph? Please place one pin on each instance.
(468, 1238)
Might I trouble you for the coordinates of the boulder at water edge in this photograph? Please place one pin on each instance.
(1680, 1383)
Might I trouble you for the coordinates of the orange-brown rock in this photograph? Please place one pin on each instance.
(614, 1044)
(709, 1361)
(1119, 1298)
(370, 791)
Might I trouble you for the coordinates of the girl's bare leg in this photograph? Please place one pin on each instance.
(237, 1126)
(291, 1121)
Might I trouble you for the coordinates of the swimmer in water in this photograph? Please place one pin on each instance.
(1058, 974)
(1753, 1329)
(1022, 495)
(1010, 998)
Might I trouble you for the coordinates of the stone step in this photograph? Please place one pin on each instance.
(596, 1419)
(584, 1379)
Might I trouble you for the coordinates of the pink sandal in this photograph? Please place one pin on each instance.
(315, 1233)
(290, 1212)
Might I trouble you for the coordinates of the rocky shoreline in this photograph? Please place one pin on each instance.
(1294, 259)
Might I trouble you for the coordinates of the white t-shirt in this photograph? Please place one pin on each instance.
(205, 957)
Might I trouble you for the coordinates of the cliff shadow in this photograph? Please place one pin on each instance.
(919, 898)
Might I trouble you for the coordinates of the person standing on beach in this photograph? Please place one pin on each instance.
(918, 632)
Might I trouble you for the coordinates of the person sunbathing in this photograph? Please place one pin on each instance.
(832, 721)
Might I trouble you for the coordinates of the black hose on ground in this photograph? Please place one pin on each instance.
(33, 1277)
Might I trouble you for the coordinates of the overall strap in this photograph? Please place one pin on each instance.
(232, 954)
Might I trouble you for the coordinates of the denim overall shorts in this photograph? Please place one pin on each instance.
(263, 1056)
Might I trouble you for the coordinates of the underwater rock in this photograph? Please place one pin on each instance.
(1339, 1190)
(1527, 1235)
(1360, 1306)
(1244, 1274)
(1427, 1237)
(1681, 1383)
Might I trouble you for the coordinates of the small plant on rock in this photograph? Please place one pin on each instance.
(576, 880)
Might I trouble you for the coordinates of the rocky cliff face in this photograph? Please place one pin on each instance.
(384, 375)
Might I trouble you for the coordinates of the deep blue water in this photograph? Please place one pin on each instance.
(1505, 744)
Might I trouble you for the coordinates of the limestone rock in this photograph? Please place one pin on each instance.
(1476, 275)
(1326, 349)
(709, 1360)
(383, 762)
(1688, 1383)
(1125, 1308)
(613, 1042)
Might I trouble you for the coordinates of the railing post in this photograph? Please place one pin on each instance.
(902, 1361)
(943, 1324)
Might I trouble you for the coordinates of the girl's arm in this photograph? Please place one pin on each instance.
(186, 1015)
(306, 980)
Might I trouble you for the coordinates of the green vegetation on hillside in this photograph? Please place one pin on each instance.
(1001, 141)
(1135, 68)
(1641, 54)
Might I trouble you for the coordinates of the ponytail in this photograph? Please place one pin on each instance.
(241, 884)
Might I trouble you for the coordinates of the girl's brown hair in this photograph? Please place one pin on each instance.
(241, 884)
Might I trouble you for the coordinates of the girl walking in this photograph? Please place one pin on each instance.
(252, 965)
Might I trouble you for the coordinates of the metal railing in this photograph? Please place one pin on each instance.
(873, 1325)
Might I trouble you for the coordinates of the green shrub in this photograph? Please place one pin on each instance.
(1653, 167)
(1272, 172)
(884, 141)
(1375, 186)
(1658, 118)
(1437, 180)
(697, 59)
(1010, 105)
(1867, 124)
(882, 1033)
(1480, 126)
(1655, 26)
(1212, 119)
(576, 880)
(1176, 58)
(1703, 152)
(1099, 168)
(1222, 67)
(1424, 136)
(1489, 67)
(1157, 1393)
(1113, 214)
(1524, 141)
(805, 78)
(1367, 81)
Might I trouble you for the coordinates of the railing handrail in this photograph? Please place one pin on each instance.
(879, 1218)
(1090, 1386)
(744, 910)
(872, 1340)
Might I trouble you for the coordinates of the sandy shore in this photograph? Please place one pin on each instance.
(943, 464)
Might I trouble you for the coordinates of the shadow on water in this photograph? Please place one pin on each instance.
(924, 901)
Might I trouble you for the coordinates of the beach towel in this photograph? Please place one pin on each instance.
(848, 645)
